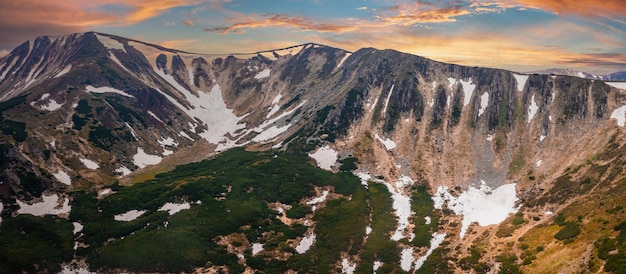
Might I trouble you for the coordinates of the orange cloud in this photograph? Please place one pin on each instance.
(411, 14)
(281, 20)
(589, 8)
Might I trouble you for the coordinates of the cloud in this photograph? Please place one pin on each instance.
(362, 8)
(587, 8)
(417, 13)
(188, 22)
(25, 19)
(282, 20)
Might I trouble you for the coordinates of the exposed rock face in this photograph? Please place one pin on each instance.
(125, 104)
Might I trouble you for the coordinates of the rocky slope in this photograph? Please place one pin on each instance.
(502, 153)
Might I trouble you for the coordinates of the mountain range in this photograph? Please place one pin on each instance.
(121, 155)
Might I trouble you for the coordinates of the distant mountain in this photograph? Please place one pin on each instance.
(124, 156)
(618, 76)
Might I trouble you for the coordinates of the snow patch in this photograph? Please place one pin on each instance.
(532, 109)
(482, 205)
(468, 90)
(143, 159)
(377, 265)
(489, 138)
(581, 75)
(401, 205)
(271, 133)
(368, 230)
(619, 85)
(387, 143)
(619, 114)
(263, 74)
(548, 213)
(256, 248)
(105, 89)
(326, 157)
(89, 163)
(484, 102)
(110, 43)
(306, 243)
(435, 241)
(78, 227)
(129, 216)
(406, 259)
(347, 267)
(451, 82)
(427, 220)
(51, 205)
(123, 170)
(173, 208)
(63, 177)
(521, 81)
(538, 164)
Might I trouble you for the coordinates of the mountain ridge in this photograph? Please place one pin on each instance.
(85, 113)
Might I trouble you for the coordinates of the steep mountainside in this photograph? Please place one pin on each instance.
(461, 169)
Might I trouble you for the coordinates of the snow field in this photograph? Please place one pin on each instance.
(483, 205)
(388, 97)
(435, 241)
(325, 156)
(173, 208)
(110, 43)
(51, 205)
(306, 243)
(143, 159)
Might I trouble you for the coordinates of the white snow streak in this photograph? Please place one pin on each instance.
(532, 109)
(435, 241)
(388, 97)
(538, 164)
(64, 71)
(401, 205)
(105, 89)
(343, 59)
(325, 156)
(484, 102)
(129, 215)
(482, 205)
(49, 206)
(619, 114)
(451, 82)
(377, 265)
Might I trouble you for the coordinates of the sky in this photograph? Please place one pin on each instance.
(519, 35)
